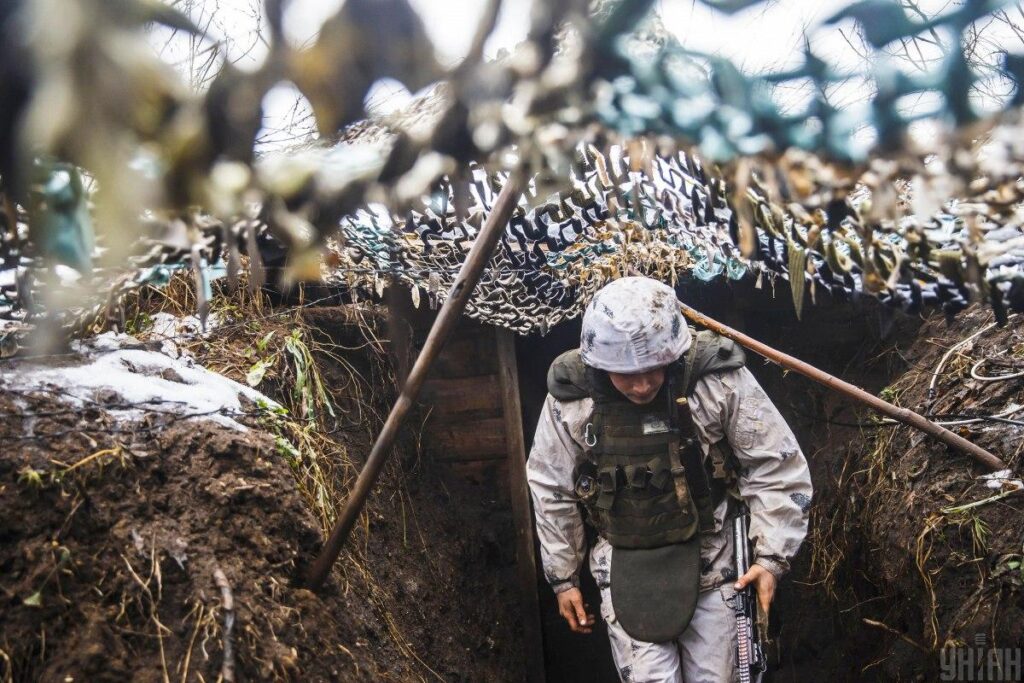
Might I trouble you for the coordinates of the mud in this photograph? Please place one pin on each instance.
(892, 549)
(108, 562)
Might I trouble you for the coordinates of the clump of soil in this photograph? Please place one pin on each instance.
(895, 543)
(111, 544)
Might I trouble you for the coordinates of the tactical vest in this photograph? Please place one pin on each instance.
(644, 482)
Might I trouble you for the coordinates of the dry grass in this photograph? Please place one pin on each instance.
(289, 360)
(942, 532)
(277, 352)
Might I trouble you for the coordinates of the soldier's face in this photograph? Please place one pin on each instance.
(640, 387)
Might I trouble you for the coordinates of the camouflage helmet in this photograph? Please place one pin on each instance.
(633, 325)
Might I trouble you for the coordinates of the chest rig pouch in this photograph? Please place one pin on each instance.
(647, 492)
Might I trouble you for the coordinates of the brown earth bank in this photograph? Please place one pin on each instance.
(113, 536)
(894, 580)
(907, 538)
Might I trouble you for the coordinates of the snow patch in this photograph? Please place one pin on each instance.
(1003, 479)
(68, 276)
(169, 330)
(139, 380)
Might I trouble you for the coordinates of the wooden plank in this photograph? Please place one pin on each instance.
(526, 560)
(465, 440)
(453, 397)
(467, 354)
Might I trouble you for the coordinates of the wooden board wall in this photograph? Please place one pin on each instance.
(465, 428)
(474, 429)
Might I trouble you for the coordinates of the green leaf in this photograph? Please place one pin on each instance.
(140, 323)
(31, 477)
(256, 373)
(34, 600)
(262, 343)
(285, 448)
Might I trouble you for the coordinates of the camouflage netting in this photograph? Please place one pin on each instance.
(666, 216)
(554, 253)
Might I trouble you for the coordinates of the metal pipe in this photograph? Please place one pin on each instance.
(477, 259)
(904, 415)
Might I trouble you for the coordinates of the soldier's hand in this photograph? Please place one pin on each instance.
(572, 609)
(764, 584)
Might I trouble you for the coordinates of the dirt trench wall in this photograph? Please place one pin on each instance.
(108, 572)
(898, 548)
(107, 568)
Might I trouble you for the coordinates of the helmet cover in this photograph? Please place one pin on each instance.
(633, 325)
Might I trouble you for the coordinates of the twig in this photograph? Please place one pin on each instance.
(9, 668)
(160, 628)
(227, 669)
(979, 503)
(116, 450)
(898, 634)
(945, 357)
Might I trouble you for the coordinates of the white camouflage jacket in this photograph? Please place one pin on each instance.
(774, 480)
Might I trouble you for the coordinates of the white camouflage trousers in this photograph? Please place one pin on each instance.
(704, 653)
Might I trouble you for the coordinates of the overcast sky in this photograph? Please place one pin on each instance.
(767, 37)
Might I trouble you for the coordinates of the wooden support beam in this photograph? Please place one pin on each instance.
(904, 415)
(460, 439)
(477, 397)
(522, 515)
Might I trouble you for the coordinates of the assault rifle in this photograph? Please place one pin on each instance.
(750, 660)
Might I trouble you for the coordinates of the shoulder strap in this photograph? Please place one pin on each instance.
(567, 377)
(710, 352)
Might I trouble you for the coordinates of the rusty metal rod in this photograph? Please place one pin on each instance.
(477, 259)
(904, 415)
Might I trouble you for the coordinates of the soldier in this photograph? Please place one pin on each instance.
(662, 434)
